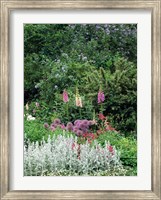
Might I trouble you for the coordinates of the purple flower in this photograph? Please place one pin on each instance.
(68, 128)
(69, 124)
(84, 130)
(57, 121)
(53, 125)
(79, 133)
(52, 128)
(90, 123)
(101, 96)
(85, 122)
(83, 126)
(65, 96)
(46, 125)
(63, 126)
(75, 129)
(77, 122)
(77, 125)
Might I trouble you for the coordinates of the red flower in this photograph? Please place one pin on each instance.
(101, 116)
(110, 148)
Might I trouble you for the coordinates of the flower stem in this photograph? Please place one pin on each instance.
(67, 109)
(101, 108)
(80, 112)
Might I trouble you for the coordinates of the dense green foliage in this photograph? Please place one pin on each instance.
(35, 131)
(86, 57)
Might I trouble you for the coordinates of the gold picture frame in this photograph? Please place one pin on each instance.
(155, 7)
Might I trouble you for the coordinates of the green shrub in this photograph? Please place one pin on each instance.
(126, 146)
(122, 97)
(43, 113)
(35, 131)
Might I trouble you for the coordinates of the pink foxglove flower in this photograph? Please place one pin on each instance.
(65, 96)
(78, 101)
(101, 97)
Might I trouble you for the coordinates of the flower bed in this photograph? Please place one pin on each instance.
(63, 154)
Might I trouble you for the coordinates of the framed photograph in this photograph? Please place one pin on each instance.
(80, 99)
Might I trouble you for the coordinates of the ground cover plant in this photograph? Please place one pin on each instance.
(80, 100)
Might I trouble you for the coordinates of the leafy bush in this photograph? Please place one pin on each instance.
(119, 83)
(42, 112)
(34, 131)
(63, 154)
(122, 97)
(89, 57)
(126, 146)
(36, 66)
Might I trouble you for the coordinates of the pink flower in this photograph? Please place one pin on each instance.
(52, 128)
(63, 126)
(65, 96)
(46, 125)
(110, 148)
(78, 101)
(57, 121)
(101, 96)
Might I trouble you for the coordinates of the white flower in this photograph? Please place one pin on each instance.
(30, 117)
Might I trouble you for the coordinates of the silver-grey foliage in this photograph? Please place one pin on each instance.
(63, 155)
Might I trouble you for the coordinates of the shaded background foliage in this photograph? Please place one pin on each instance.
(90, 56)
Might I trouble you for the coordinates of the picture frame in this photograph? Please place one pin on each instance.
(6, 7)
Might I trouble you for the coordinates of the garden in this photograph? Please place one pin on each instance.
(80, 100)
